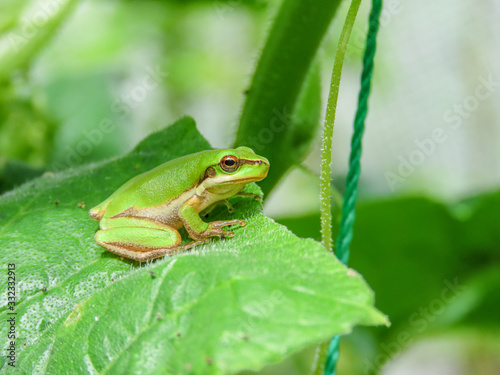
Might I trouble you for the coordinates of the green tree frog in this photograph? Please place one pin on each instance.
(141, 219)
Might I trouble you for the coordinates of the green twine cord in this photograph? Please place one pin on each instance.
(349, 204)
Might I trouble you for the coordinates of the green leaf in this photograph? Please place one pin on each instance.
(234, 304)
(434, 266)
(426, 246)
(272, 99)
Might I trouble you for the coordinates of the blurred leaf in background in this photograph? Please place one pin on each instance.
(434, 267)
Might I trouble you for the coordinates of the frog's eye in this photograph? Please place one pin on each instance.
(229, 163)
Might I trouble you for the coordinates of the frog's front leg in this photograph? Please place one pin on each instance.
(249, 195)
(139, 238)
(229, 206)
(210, 208)
(197, 228)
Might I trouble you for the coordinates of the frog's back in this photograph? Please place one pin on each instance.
(156, 186)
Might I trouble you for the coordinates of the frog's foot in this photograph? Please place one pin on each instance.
(225, 223)
(249, 195)
(229, 206)
(210, 208)
(214, 228)
(217, 232)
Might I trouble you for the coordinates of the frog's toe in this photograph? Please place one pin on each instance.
(220, 233)
(220, 224)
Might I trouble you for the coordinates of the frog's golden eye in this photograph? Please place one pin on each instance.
(229, 163)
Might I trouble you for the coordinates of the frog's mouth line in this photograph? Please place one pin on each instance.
(249, 179)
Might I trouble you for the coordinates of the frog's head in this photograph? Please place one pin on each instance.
(234, 167)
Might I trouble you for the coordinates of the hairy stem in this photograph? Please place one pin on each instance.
(326, 156)
(326, 152)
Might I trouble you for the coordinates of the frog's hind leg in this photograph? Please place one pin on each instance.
(139, 252)
(140, 239)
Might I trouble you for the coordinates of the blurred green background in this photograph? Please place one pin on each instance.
(427, 233)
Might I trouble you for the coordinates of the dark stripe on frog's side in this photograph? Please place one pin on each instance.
(171, 220)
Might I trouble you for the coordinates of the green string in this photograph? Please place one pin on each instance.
(349, 204)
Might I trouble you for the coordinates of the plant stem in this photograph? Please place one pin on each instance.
(336, 195)
(326, 156)
(320, 358)
(293, 41)
(326, 152)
